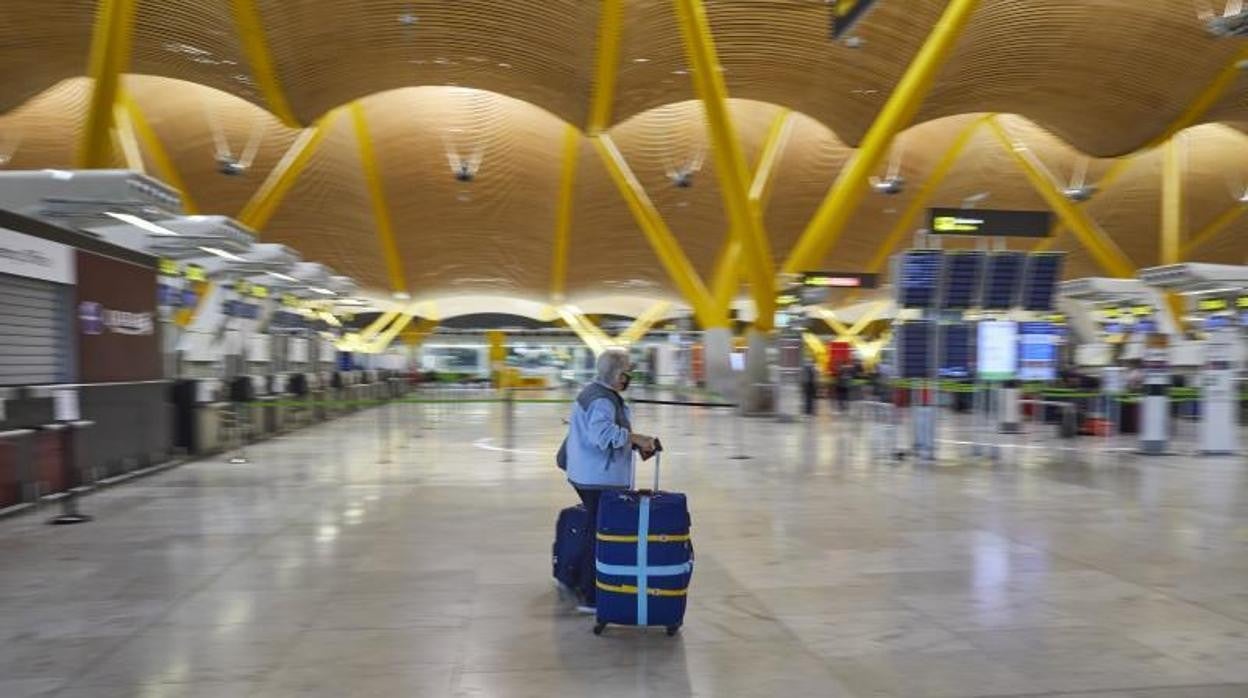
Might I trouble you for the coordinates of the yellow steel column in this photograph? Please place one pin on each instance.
(1209, 232)
(842, 201)
(727, 274)
(642, 324)
(263, 204)
(563, 213)
(250, 28)
(1172, 200)
(1115, 171)
(665, 246)
(610, 20)
(110, 56)
(127, 139)
(594, 338)
(730, 162)
(1099, 245)
(156, 150)
(1205, 100)
(377, 193)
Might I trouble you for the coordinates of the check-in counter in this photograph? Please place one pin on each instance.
(16, 486)
(263, 416)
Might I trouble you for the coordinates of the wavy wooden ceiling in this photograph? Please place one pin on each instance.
(1104, 77)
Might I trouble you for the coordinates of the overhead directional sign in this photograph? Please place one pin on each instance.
(835, 279)
(989, 223)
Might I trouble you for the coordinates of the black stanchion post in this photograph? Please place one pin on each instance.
(71, 464)
(509, 417)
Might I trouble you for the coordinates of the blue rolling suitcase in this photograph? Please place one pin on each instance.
(570, 532)
(643, 557)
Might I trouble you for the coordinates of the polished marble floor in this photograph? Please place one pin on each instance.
(352, 560)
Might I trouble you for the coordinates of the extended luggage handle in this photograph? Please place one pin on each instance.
(658, 457)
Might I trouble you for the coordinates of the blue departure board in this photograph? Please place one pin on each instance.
(914, 349)
(1003, 278)
(919, 278)
(1037, 351)
(964, 272)
(1044, 270)
(957, 348)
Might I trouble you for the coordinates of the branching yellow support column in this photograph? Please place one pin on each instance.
(1172, 201)
(1115, 171)
(110, 56)
(660, 237)
(842, 201)
(610, 21)
(563, 214)
(643, 323)
(1211, 231)
(127, 140)
(1098, 244)
(1205, 100)
(594, 338)
(377, 193)
(730, 164)
(250, 28)
(727, 274)
(263, 204)
(156, 150)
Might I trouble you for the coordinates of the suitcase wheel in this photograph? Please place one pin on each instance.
(672, 630)
(599, 627)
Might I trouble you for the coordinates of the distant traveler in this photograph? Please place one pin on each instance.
(599, 452)
(810, 387)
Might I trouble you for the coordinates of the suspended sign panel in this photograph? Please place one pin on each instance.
(989, 223)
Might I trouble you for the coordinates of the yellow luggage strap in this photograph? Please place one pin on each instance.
(654, 538)
(629, 589)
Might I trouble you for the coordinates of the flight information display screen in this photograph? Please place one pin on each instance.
(964, 271)
(919, 278)
(1044, 270)
(957, 348)
(914, 349)
(1037, 351)
(997, 350)
(1003, 278)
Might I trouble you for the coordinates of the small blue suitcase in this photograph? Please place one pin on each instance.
(570, 531)
(643, 558)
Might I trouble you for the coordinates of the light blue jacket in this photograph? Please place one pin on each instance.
(599, 452)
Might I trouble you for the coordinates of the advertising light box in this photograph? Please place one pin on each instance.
(997, 350)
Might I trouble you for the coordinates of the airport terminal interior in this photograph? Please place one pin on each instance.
(845, 348)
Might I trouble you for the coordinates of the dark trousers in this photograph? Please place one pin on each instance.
(589, 575)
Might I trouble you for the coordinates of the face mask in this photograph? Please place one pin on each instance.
(625, 380)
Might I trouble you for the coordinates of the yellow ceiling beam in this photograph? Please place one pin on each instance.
(642, 324)
(385, 338)
(842, 201)
(415, 336)
(127, 140)
(150, 142)
(1115, 171)
(1211, 231)
(660, 237)
(1172, 200)
(563, 212)
(606, 72)
(590, 334)
(110, 57)
(1205, 100)
(1102, 248)
(266, 200)
(727, 271)
(250, 28)
(817, 349)
(730, 163)
(377, 194)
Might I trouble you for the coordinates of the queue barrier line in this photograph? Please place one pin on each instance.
(463, 401)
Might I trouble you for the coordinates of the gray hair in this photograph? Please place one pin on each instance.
(611, 363)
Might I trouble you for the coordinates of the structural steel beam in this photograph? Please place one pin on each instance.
(563, 212)
(842, 201)
(660, 237)
(1211, 231)
(156, 150)
(263, 204)
(1205, 100)
(606, 72)
(385, 338)
(377, 194)
(906, 222)
(415, 336)
(730, 163)
(590, 334)
(250, 29)
(1115, 171)
(127, 140)
(642, 324)
(110, 56)
(1098, 244)
(817, 349)
(1172, 200)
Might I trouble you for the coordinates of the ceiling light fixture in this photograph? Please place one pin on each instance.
(283, 277)
(141, 223)
(222, 254)
(322, 291)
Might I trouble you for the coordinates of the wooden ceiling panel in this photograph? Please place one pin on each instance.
(41, 43)
(44, 132)
(193, 41)
(540, 52)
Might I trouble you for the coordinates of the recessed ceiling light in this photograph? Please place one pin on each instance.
(641, 60)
